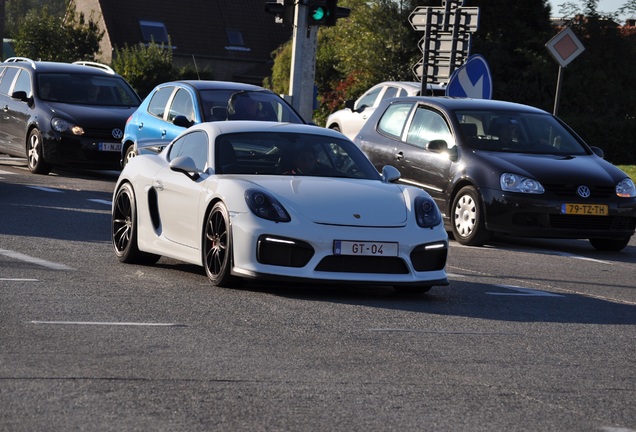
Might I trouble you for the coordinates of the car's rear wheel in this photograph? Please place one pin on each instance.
(217, 247)
(613, 245)
(35, 154)
(467, 218)
(335, 128)
(124, 228)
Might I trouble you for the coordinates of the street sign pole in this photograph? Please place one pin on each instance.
(303, 70)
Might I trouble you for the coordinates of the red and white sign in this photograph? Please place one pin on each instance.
(565, 47)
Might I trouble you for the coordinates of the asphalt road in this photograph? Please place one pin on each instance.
(531, 335)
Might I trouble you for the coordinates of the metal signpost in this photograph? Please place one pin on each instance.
(564, 47)
(446, 42)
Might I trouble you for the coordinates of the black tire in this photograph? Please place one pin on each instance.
(124, 228)
(335, 128)
(612, 245)
(467, 218)
(130, 153)
(35, 154)
(217, 247)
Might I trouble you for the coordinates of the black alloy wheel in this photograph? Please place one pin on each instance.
(124, 228)
(217, 247)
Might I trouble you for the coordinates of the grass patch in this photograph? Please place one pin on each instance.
(630, 170)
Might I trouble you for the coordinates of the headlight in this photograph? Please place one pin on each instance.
(626, 189)
(61, 125)
(426, 212)
(515, 183)
(266, 206)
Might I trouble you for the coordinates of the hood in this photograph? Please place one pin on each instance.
(333, 201)
(557, 169)
(96, 116)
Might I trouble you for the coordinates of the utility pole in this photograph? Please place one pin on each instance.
(303, 67)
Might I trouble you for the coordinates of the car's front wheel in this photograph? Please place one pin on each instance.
(467, 218)
(124, 228)
(35, 154)
(217, 247)
(130, 153)
(613, 245)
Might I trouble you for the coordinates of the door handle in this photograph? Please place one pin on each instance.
(163, 133)
(399, 156)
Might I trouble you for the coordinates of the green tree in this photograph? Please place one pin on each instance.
(45, 36)
(145, 66)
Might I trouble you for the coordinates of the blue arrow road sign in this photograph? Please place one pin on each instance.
(472, 79)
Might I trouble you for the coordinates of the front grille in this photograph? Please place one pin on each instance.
(569, 191)
(102, 134)
(362, 264)
(583, 222)
(282, 251)
(424, 259)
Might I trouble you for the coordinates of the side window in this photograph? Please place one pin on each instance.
(427, 126)
(394, 118)
(194, 145)
(368, 99)
(23, 83)
(157, 105)
(7, 80)
(181, 105)
(390, 92)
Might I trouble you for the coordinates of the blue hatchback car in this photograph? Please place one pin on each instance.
(172, 107)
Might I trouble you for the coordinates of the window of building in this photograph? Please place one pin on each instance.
(153, 31)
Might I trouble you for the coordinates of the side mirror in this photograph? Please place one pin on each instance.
(21, 96)
(390, 174)
(437, 146)
(182, 121)
(349, 104)
(185, 165)
(598, 152)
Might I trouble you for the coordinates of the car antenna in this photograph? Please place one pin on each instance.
(196, 68)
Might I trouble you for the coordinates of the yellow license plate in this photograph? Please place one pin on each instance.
(585, 209)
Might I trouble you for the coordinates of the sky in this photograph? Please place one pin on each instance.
(603, 5)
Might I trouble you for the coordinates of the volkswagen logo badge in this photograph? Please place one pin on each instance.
(583, 191)
(118, 133)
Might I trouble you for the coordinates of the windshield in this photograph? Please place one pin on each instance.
(507, 131)
(83, 89)
(291, 154)
(246, 105)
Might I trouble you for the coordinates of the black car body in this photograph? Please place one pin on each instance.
(63, 114)
(172, 107)
(542, 181)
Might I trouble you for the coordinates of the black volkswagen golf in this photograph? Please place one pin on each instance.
(63, 114)
(495, 166)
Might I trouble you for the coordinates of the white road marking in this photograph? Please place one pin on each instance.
(139, 324)
(32, 260)
(6, 172)
(101, 201)
(45, 189)
(18, 280)
(527, 292)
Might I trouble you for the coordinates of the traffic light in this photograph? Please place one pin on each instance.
(325, 12)
(283, 9)
(317, 12)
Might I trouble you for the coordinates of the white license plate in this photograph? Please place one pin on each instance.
(343, 247)
(109, 147)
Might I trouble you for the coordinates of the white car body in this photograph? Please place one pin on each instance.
(350, 119)
(172, 208)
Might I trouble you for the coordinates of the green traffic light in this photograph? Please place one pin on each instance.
(318, 13)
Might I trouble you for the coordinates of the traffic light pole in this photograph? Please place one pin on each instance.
(303, 67)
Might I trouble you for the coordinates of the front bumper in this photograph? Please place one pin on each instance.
(526, 215)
